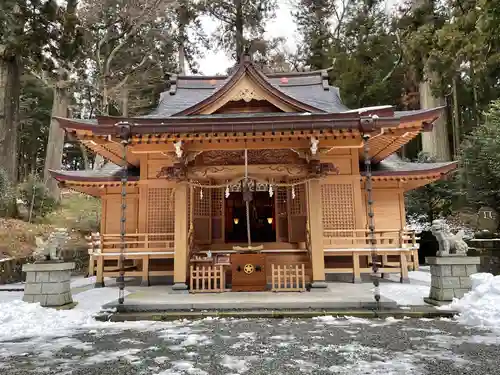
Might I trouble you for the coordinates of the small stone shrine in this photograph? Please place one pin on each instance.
(451, 268)
(48, 280)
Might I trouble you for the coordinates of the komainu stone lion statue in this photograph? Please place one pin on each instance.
(449, 243)
(50, 250)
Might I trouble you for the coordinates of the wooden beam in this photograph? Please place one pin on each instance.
(181, 225)
(314, 213)
(253, 144)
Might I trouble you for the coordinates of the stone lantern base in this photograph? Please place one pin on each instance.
(450, 277)
(48, 283)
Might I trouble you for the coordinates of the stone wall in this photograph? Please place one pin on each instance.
(450, 276)
(489, 252)
(452, 280)
(48, 283)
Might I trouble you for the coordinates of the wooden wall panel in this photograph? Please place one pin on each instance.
(112, 214)
(155, 166)
(388, 208)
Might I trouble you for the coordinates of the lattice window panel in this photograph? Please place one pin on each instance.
(218, 214)
(337, 204)
(281, 196)
(217, 201)
(298, 205)
(202, 215)
(161, 210)
(201, 204)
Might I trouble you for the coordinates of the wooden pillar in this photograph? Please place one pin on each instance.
(181, 226)
(314, 213)
(99, 282)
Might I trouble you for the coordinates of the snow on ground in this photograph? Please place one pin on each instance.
(405, 294)
(20, 319)
(481, 306)
(408, 294)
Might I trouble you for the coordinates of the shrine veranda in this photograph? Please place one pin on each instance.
(274, 157)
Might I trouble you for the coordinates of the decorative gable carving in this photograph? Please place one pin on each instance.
(247, 90)
(247, 94)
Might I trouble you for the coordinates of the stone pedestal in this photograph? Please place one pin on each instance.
(450, 277)
(48, 283)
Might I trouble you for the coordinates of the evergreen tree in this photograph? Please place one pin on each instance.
(25, 28)
(240, 22)
(315, 26)
(479, 160)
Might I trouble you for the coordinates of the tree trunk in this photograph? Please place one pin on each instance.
(239, 28)
(124, 101)
(435, 143)
(182, 59)
(99, 160)
(55, 144)
(85, 156)
(10, 83)
(456, 118)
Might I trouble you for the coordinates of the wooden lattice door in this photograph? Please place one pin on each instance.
(202, 216)
(281, 214)
(297, 213)
(217, 215)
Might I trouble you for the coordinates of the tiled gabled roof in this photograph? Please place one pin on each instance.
(310, 88)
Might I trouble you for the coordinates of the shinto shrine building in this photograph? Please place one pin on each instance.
(252, 181)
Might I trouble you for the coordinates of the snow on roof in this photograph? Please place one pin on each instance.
(368, 109)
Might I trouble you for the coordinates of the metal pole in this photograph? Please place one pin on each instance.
(371, 221)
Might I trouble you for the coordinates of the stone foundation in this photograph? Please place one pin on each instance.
(450, 277)
(48, 283)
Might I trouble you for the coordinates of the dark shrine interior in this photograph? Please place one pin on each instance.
(262, 221)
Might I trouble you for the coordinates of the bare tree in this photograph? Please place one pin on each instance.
(125, 36)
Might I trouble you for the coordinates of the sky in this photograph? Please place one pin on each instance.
(283, 25)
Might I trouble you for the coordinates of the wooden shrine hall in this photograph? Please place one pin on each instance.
(252, 181)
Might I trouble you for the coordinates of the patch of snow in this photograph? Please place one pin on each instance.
(125, 354)
(283, 337)
(355, 320)
(247, 335)
(233, 363)
(161, 360)
(481, 306)
(405, 294)
(327, 319)
(10, 296)
(92, 300)
(183, 367)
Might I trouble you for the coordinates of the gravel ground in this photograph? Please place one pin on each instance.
(260, 346)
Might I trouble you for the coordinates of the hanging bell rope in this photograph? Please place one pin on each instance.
(124, 128)
(371, 221)
(247, 200)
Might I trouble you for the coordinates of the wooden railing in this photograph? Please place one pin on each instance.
(288, 278)
(361, 239)
(139, 249)
(134, 243)
(207, 279)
